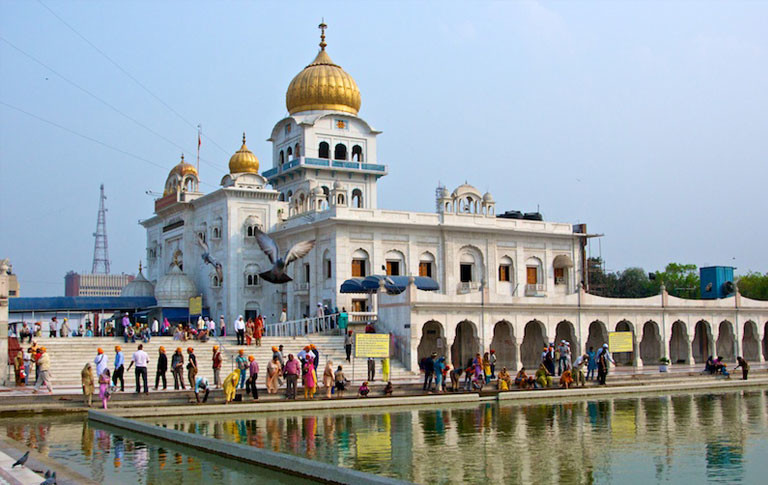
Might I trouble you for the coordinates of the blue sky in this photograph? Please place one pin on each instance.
(646, 120)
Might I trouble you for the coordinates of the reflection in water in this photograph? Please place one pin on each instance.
(695, 437)
(130, 458)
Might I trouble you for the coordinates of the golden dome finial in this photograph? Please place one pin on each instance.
(322, 28)
(182, 158)
(243, 138)
(139, 266)
(244, 160)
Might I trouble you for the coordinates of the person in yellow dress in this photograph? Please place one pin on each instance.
(86, 376)
(230, 386)
(385, 369)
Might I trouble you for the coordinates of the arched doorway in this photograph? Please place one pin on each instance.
(504, 344)
(726, 341)
(565, 331)
(432, 340)
(466, 343)
(650, 346)
(702, 341)
(765, 341)
(750, 346)
(678, 344)
(534, 340)
(598, 335)
(625, 358)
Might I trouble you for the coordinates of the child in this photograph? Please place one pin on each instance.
(364, 390)
(104, 381)
(388, 390)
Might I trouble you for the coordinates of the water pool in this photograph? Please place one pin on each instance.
(680, 437)
(114, 456)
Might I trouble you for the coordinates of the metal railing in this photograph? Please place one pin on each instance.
(363, 317)
(535, 289)
(303, 326)
(467, 286)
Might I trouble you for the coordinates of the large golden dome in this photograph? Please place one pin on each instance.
(244, 161)
(323, 85)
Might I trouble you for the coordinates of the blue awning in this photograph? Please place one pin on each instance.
(393, 284)
(79, 303)
(353, 285)
(181, 314)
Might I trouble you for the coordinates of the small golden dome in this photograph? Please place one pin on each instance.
(323, 85)
(244, 161)
(178, 172)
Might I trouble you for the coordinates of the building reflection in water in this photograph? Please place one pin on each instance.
(706, 437)
(659, 436)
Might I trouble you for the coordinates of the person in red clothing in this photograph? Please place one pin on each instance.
(216, 366)
(258, 330)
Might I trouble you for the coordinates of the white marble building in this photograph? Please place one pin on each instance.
(322, 185)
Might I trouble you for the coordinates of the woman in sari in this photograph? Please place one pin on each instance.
(273, 371)
(230, 386)
(310, 379)
(328, 379)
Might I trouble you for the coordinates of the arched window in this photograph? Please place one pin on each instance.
(534, 275)
(296, 151)
(251, 275)
(359, 264)
(282, 158)
(427, 265)
(357, 198)
(340, 199)
(327, 265)
(340, 152)
(323, 150)
(466, 267)
(357, 153)
(505, 270)
(395, 263)
(289, 153)
(249, 231)
(281, 197)
(289, 195)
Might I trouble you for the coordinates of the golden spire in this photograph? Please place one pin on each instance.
(139, 266)
(322, 28)
(182, 158)
(243, 138)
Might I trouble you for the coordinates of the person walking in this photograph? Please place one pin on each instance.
(273, 370)
(191, 366)
(341, 382)
(348, 344)
(52, 327)
(258, 330)
(328, 379)
(438, 368)
(253, 375)
(222, 327)
(177, 368)
(744, 367)
(27, 356)
(162, 368)
(371, 369)
(126, 325)
(291, 376)
(140, 359)
(343, 321)
(240, 330)
(241, 363)
(119, 368)
(591, 364)
(217, 360)
(309, 379)
(603, 358)
(104, 380)
(64, 330)
(86, 379)
(100, 361)
(493, 359)
(44, 365)
(155, 327)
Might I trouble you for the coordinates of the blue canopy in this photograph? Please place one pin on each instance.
(353, 285)
(79, 303)
(393, 284)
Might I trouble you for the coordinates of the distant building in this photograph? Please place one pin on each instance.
(9, 281)
(76, 284)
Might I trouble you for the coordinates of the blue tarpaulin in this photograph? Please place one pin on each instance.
(79, 303)
(393, 284)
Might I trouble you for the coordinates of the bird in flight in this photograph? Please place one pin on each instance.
(277, 275)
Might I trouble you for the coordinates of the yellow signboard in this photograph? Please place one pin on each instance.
(372, 345)
(620, 341)
(196, 305)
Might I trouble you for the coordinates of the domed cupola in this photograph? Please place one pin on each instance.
(323, 85)
(244, 161)
(182, 177)
(140, 286)
(174, 289)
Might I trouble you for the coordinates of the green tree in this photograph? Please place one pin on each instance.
(681, 280)
(754, 285)
(634, 283)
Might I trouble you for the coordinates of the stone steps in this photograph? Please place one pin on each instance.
(69, 355)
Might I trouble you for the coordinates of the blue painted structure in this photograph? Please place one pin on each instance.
(79, 303)
(714, 281)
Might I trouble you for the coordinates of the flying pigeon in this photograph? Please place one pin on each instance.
(21, 461)
(207, 258)
(49, 480)
(277, 275)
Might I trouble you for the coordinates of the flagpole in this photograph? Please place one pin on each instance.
(199, 140)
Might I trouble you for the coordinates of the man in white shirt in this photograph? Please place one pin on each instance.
(155, 328)
(240, 330)
(141, 359)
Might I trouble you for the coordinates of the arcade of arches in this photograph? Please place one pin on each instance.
(688, 344)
